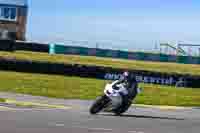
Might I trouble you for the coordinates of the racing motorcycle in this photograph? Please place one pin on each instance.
(111, 101)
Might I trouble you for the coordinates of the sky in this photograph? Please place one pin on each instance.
(115, 24)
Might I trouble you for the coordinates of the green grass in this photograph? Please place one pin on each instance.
(87, 88)
(109, 62)
(2, 100)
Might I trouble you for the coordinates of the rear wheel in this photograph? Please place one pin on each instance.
(99, 104)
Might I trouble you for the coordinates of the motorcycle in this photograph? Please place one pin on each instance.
(111, 101)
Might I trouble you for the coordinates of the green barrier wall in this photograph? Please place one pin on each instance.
(60, 49)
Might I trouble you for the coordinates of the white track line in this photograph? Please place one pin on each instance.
(97, 129)
(135, 132)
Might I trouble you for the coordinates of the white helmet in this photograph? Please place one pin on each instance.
(126, 74)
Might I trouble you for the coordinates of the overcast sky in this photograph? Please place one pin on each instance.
(120, 24)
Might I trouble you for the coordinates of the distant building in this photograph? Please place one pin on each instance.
(13, 19)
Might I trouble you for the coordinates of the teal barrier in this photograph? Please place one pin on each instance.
(100, 52)
(123, 54)
(182, 59)
(61, 49)
(83, 51)
(139, 56)
(164, 58)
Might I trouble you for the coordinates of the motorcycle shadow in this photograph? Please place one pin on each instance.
(145, 117)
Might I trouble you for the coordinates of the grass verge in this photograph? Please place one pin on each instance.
(2, 100)
(109, 62)
(87, 88)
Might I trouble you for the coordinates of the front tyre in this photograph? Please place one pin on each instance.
(99, 104)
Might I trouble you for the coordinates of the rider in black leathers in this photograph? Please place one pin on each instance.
(131, 84)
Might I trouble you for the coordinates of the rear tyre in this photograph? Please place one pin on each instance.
(99, 104)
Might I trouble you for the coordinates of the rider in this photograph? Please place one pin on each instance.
(130, 84)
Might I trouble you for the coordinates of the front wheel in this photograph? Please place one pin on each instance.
(99, 104)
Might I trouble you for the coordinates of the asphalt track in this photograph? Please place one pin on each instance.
(76, 119)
